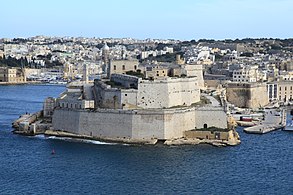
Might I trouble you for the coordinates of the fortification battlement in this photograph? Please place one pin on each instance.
(170, 80)
(125, 77)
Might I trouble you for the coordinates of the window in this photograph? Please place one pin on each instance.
(114, 67)
(135, 67)
(123, 67)
(125, 94)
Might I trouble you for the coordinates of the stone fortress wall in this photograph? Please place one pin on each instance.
(128, 107)
(247, 95)
(150, 94)
(138, 124)
(168, 92)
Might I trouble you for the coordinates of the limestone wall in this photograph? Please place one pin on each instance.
(65, 119)
(106, 124)
(153, 94)
(195, 70)
(107, 97)
(161, 93)
(207, 135)
(179, 121)
(135, 124)
(148, 125)
(127, 81)
(128, 97)
(210, 116)
(166, 93)
(184, 92)
(247, 95)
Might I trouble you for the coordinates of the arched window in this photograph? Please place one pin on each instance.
(205, 126)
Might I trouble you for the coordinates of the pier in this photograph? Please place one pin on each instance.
(274, 120)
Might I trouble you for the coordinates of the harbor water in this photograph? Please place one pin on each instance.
(261, 164)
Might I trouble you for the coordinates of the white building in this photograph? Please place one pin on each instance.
(248, 74)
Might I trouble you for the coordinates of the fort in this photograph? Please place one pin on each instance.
(129, 109)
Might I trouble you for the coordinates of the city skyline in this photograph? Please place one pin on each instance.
(209, 19)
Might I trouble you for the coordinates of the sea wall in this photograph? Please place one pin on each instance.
(134, 124)
(211, 116)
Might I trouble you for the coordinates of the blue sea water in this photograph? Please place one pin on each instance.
(262, 164)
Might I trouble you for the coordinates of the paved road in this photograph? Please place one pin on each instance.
(214, 101)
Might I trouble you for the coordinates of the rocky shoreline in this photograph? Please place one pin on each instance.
(173, 142)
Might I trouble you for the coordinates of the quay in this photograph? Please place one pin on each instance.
(273, 121)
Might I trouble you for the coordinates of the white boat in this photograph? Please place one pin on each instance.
(58, 82)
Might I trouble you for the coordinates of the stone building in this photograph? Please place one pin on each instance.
(127, 107)
(247, 95)
(76, 97)
(246, 74)
(154, 72)
(122, 66)
(147, 94)
(12, 75)
(281, 91)
(285, 91)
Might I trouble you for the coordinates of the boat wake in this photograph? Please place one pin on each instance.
(69, 139)
(80, 140)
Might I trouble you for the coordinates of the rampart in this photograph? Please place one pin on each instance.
(247, 95)
(137, 124)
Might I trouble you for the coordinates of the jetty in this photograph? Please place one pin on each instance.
(274, 120)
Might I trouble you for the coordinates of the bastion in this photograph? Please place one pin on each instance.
(129, 109)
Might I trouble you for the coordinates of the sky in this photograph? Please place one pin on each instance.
(163, 19)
